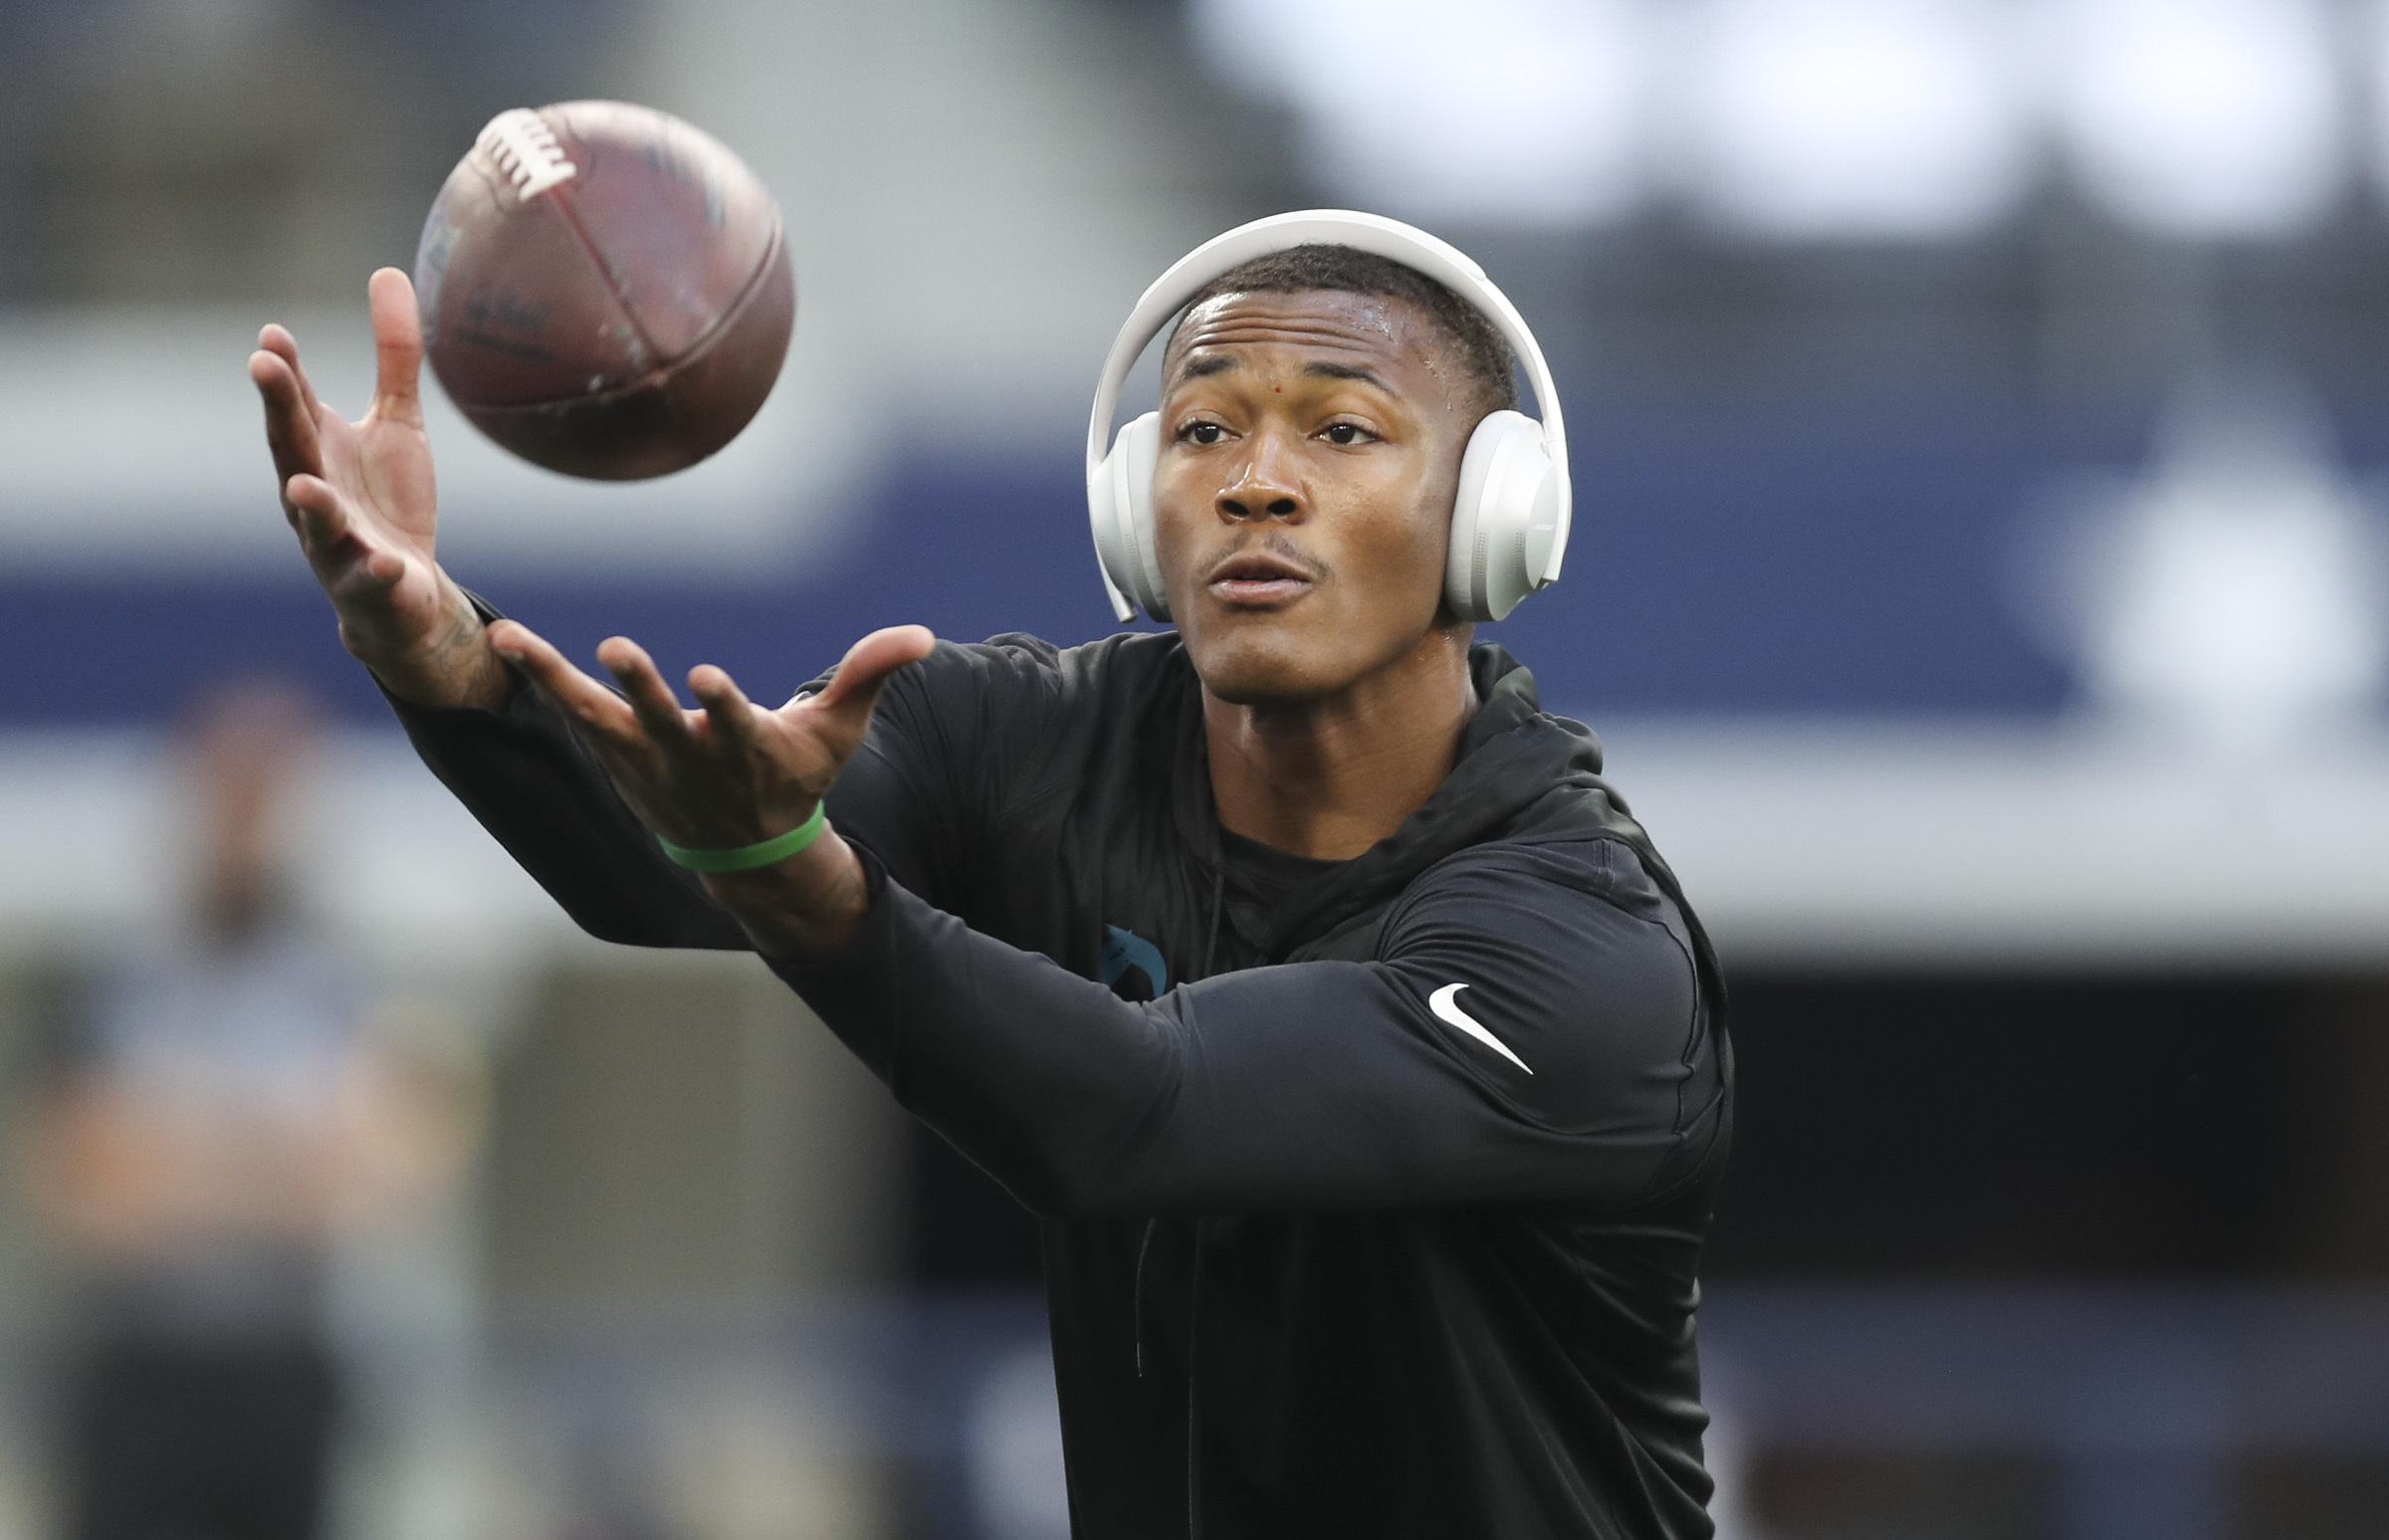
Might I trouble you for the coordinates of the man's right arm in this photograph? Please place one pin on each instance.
(363, 502)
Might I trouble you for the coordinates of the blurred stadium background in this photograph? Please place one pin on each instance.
(1979, 419)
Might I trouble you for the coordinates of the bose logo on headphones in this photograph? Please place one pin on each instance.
(1509, 522)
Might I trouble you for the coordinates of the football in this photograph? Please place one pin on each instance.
(605, 291)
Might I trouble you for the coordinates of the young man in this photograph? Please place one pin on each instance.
(1356, 1048)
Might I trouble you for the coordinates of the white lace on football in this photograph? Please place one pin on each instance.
(521, 145)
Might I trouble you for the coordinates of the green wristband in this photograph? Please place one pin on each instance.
(747, 858)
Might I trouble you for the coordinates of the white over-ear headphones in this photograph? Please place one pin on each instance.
(1509, 523)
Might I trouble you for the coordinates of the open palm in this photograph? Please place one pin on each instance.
(361, 495)
(731, 772)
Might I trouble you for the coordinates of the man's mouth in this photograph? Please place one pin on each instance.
(1258, 579)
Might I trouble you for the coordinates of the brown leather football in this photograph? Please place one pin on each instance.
(605, 291)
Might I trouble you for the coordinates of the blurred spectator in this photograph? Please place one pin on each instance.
(219, 1114)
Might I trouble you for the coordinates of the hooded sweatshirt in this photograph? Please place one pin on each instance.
(1373, 1191)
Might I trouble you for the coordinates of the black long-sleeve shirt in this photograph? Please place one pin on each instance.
(1374, 1191)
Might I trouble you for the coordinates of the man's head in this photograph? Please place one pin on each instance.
(242, 746)
(1315, 405)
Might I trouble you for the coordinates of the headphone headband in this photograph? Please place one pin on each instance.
(1372, 233)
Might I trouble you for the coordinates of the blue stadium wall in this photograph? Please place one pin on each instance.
(1770, 562)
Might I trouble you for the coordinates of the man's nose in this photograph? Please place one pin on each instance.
(1268, 487)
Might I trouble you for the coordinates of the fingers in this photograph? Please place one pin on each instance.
(727, 709)
(290, 416)
(648, 713)
(397, 349)
(659, 710)
(868, 662)
(844, 709)
(276, 339)
(348, 564)
(576, 693)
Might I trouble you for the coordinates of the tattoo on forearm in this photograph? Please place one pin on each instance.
(462, 655)
(454, 666)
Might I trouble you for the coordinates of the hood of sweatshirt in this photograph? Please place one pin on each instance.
(1522, 773)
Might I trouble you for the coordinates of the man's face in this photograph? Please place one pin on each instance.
(1310, 449)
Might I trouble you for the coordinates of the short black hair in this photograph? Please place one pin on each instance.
(1482, 355)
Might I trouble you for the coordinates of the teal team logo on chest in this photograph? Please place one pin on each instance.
(1132, 965)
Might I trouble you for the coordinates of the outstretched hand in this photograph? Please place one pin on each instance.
(363, 500)
(731, 772)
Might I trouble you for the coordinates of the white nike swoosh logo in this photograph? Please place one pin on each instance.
(1446, 1008)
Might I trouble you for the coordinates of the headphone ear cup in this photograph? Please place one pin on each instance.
(1103, 521)
(1136, 451)
(1503, 521)
(1120, 511)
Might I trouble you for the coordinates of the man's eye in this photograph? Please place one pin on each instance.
(1201, 432)
(1346, 434)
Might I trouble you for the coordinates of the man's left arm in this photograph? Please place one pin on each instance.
(1524, 1033)
(1533, 1029)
